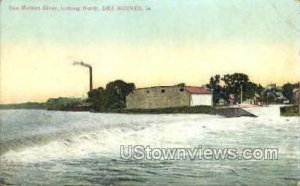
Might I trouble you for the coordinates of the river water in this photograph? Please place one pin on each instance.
(40, 147)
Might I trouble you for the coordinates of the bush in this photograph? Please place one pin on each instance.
(186, 110)
(289, 110)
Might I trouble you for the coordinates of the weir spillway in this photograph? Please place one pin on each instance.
(233, 112)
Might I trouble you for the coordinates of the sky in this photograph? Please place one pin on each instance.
(170, 42)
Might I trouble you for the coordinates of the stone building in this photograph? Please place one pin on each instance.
(168, 96)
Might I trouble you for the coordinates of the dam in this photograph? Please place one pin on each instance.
(234, 112)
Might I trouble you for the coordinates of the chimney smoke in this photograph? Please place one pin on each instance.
(90, 70)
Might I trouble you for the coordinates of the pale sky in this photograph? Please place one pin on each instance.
(176, 41)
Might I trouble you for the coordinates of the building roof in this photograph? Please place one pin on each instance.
(189, 89)
(197, 90)
(155, 87)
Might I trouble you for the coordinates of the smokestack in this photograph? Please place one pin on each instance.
(90, 71)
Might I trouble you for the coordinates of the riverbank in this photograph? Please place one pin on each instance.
(28, 105)
(224, 111)
(169, 110)
(292, 110)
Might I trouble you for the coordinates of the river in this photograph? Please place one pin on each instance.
(40, 147)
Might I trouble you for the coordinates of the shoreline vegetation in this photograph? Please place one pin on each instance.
(286, 111)
(44, 106)
(291, 110)
(27, 105)
(227, 90)
(227, 112)
(170, 110)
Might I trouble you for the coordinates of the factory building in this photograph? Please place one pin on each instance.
(168, 96)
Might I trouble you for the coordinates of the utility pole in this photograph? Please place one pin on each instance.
(213, 97)
(267, 98)
(241, 94)
(298, 98)
(90, 71)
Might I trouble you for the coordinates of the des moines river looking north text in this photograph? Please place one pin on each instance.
(79, 8)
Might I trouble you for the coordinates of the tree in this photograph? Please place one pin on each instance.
(287, 91)
(62, 103)
(117, 92)
(214, 85)
(252, 90)
(99, 99)
(180, 85)
(235, 82)
(112, 97)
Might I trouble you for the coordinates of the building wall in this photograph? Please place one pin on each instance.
(201, 99)
(158, 97)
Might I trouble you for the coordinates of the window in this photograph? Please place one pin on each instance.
(163, 91)
(181, 89)
(148, 91)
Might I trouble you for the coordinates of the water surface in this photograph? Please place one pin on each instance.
(41, 147)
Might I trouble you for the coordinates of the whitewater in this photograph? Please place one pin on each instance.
(40, 147)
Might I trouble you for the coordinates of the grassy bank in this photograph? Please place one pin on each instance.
(289, 110)
(28, 105)
(179, 110)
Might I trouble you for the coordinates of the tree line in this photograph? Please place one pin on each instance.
(242, 88)
(113, 96)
